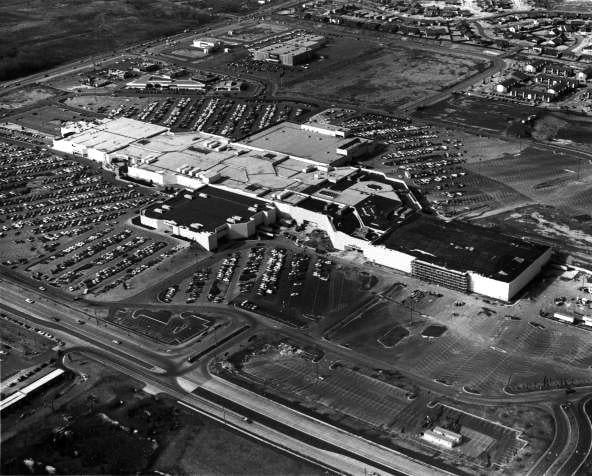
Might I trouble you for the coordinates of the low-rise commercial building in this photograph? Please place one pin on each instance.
(164, 83)
(289, 51)
(442, 437)
(207, 45)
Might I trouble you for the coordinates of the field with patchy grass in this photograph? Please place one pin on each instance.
(38, 34)
(104, 424)
(364, 73)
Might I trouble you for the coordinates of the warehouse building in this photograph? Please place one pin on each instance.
(289, 51)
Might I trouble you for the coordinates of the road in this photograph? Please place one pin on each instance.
(139, 362)
(575, 461)
(162, 370)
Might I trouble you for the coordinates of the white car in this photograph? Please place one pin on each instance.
(29, 300)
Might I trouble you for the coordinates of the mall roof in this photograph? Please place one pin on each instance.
(292, 140)
(210, 212)
(463, 247)
(112, 135)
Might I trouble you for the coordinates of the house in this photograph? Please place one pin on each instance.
(558, 69)
(550, 51)
(505, 85)
(519, 76)
(533, 66)
(570, 56)
(583, 74)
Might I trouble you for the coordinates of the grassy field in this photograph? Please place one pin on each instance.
(25, 97)
(366, 73)
(48, 118)
(86, 430)
(38, 34)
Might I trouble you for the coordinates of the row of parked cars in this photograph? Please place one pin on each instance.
(268, 283)
(196, 285)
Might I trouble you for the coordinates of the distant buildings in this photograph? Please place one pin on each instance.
(289, 50)
(164, 83)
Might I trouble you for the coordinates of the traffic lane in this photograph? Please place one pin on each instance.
(560, 441)
(585, 465)
(145, 358)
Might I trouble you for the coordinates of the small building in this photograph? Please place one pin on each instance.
(290, 51)
(587, 321)
(533, 66)
(505, 85)
(441, 437)
(564, 317)
(583, 74)
(207, 45)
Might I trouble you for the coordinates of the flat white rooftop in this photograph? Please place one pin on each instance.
(292, 140)
(109, 136)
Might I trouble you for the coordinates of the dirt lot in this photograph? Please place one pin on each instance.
(571, 235)
(476, 112)
(24, 97)
(49, 118)
(103, 423)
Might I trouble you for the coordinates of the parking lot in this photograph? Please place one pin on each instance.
(221, 115)
(63, 221)
(167, 327)
(279, 279)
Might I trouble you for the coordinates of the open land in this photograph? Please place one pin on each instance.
(397, 75)
(39, 35)
(98, 420)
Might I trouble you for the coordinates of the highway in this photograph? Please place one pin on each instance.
(575, 462)
(139, 362)
(162, 370)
